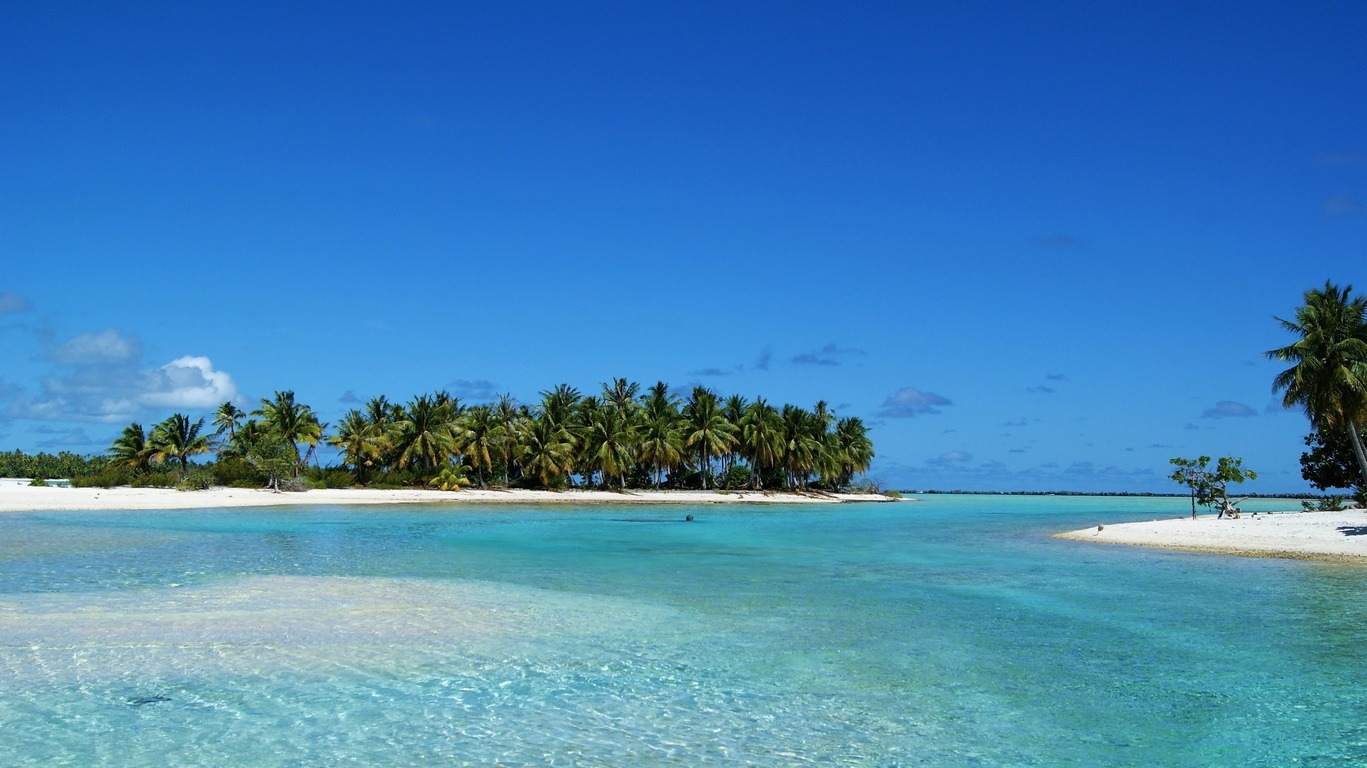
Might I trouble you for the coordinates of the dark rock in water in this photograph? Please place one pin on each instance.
(142, 701)
(688, 519)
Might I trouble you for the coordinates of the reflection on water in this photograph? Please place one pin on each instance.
(946, 633)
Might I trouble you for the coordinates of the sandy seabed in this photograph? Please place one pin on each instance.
(1335, 536)
(17, 496)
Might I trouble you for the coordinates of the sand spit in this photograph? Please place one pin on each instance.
(1333, 536)
(16, 497)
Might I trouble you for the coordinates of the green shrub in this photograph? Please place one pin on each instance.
(155, 479)
(197, 479)
(738, 476)
(237, 473)
(38, 482)
(329, 477)
(109, 476)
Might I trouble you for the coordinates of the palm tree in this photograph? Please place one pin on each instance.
(733, 410)
(800, 446)
(479, 435)
(761, 439)
(293, 421)
(547, 451)
(707, 431)
(509, 417)
(660, 430)
(362, 443)
(851, 449)
(131, 450)
(178, 438)
(426, 436)
(608, 443)
(226, 419)
(1328, 375)
(559, 404)
(621, 394)
(384, 416)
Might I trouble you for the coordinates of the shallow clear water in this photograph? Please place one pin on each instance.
(948, 632)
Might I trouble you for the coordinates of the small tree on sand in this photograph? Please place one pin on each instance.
(1209, 487)
(1193, 474)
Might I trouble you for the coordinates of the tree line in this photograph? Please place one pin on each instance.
(621, 437)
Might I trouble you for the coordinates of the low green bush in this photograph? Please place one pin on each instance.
(237, 473)
(38, 482)
(155, 479)
(197, 479)
(108, 476)
(329, 477)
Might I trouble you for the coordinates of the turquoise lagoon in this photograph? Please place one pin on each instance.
(948, 632)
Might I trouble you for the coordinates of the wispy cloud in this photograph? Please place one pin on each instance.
(1055, 377)
(710, 372)
(909, 401)
(12, 303)
(349, 397)
(474, 390)
(831, 354)
(765, 356)
(1228, 409)
(1344, 205)
(951, 457)
(105, 347)
(1041, 390)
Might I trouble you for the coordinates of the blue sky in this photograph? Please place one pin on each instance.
(1034, 246)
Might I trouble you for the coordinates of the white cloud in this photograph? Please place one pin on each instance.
(188, 382)
(953, 457)
(908, 401)
(107, 392)
(106, 347)
(1228, 408)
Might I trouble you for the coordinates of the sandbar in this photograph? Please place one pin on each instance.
(1338, 536)
(17, 496)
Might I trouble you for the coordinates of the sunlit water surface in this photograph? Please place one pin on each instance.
(948, 632)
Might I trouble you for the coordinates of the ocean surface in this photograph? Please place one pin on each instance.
(947, 632)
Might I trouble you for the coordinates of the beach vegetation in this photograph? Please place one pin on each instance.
(1328, 372)
(197, 479)
(108, 475)
(38, 482)
(451, 478)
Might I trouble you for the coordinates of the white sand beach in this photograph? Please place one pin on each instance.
(18, 496)
(1336, 536)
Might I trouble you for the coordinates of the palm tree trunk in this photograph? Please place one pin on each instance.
(1358, 449)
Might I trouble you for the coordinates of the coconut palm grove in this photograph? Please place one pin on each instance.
(621, 438)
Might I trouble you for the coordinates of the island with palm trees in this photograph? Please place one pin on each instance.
(627, 442)
(1327, 378)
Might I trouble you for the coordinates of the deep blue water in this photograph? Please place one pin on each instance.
(948, 632)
